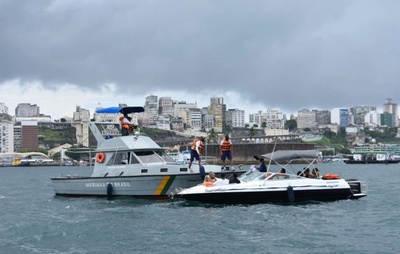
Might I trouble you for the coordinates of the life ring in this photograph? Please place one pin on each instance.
(330, 176)
(100, 157)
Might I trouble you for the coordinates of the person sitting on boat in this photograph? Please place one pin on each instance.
(126, 125)
(306, 173)
(207, 181)
(234, 179)
(262, 167)
(195, 151)
(212, 177)
(315, 173)
(282, 171)
(222, 181)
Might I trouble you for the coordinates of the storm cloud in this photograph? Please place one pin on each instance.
(282, 54)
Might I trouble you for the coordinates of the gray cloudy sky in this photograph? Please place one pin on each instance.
(263, 54)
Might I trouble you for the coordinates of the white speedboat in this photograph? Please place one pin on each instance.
(261, 187)
(132, 165)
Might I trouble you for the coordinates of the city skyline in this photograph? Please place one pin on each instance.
(247, 115)
(266, 55)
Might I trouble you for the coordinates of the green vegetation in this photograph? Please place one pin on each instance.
(291, 125)
(27, 150)
(212, 137)
(55, 137)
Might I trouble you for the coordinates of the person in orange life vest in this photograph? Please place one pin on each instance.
(126, 125)
(195, 151)
(207, 181)
(226, 151)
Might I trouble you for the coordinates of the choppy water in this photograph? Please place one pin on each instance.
(33, 220)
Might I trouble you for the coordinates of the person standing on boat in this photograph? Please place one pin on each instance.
(126, 125)
(226, 151)
(195, 151)
(262, 167)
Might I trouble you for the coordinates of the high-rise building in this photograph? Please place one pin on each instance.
(195, 119)
(3, 108)
(218, 109)
(151, 109)
(256, 118)
(6, 133)
(359, 113)
(387, 120)
(391, 108)
(235, 118)
(165, 106)
(29, 134)
(372, 119)
(340, 116)
(274, 119)
(26, 110)
(306, 119)
(322, 117)
(182, 110)
(81, 119)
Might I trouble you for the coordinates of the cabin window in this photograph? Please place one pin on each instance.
(144, 171)
(164, 170)
(134, 160)
(183, 169)
(120, 158)
(148, 157)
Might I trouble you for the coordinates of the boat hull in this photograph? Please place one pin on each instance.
(156, 186)
(280, 196)
(277, 191)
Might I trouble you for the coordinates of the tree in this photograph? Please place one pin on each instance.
(291, 125)
(264, 125)
(252, 132)
(212, 136)
(329, 134)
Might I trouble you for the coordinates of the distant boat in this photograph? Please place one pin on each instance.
(370, 158)
(371, 161)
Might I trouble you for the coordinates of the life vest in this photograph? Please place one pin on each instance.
(208, 184)
(226, 145)
(194, 145)
(330, 176)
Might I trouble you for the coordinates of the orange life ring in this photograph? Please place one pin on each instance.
(330, 176)
(100, 157)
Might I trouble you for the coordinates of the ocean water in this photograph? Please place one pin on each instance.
(34, 220)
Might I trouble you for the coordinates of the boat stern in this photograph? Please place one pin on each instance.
(358, 188)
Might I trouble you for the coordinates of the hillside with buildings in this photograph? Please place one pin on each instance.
(169, 121)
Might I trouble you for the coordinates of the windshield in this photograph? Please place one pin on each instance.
(166, 157)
